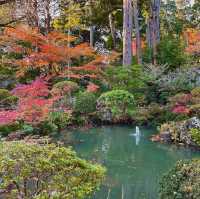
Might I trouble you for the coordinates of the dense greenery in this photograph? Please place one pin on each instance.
(80, 63)
(182, 181)
(119, 103)
(171, 52)
(34, 171)
(195, 133)
(85, 103)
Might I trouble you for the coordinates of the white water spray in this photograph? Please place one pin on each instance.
(137, 135)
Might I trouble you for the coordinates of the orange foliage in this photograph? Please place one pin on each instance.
(51, 53)
(45, 52)
(192, 38)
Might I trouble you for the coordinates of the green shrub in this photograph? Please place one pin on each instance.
(195, 110)
(64, 87)
(85, 103)
(171, 52)
(9, 128)
(11, 101)
(195, 133)
(7, 99)
(46, 128)
(46, 171)
(196, 92)
(60, 119)
(125, 78)
(4, 94)
(183, 181)
(119, 103)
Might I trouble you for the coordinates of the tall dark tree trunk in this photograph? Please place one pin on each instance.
(148, 33)
(127, 32)
(153, 28)
(112, 29)
(137, 33)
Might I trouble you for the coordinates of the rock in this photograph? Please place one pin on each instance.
(185, 136)
(179, 132)
(155, 138)
(193, 123)
(15, 136)
(106, 115)
(166, 137)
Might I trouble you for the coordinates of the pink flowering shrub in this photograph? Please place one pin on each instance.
(37, 88)
(181, 109)
(8, 117)
(33, 106)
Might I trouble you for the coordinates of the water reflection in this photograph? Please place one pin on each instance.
(132, 172)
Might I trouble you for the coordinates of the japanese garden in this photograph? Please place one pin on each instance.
(100, 99)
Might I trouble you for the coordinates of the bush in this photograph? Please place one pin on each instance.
(10, 101)
(60, 119)
(196, 92)
(85, 103)
(9, 128)
(4, 94)
(195, 110)
(195, 133)
(35, 171)
(45, 128)
(183, 181)
(116, 105)
(7, 99)
(171, 52)
(64, 88)
(163, 83)
(125, 78)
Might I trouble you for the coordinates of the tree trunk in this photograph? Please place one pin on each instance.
(153, 28)
(48, 16)
(127, 32)
(31, 12)
(137, 33)
(148, 33)
(112, 29)
(91, 36)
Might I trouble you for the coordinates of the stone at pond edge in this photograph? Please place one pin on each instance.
(178, 132)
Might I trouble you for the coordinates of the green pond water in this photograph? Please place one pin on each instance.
(134, 166)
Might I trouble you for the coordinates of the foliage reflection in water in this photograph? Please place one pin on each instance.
(134, 167)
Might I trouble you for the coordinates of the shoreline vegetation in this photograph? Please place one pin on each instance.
(67, 64)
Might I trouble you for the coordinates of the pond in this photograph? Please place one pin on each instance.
(134, 164)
